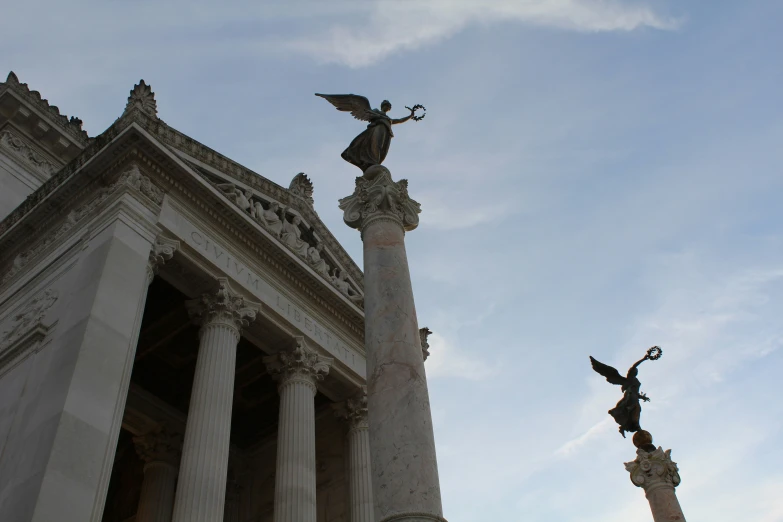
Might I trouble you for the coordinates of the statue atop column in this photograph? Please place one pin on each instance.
(371, 146)
(628, 409)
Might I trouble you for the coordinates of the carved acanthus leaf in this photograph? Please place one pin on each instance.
(377, 196)
(652, 470)
(424, 333)
(354, 409)
(28, 318)
(224, 306)
(142, 98)
(302, 186)
(299, 361)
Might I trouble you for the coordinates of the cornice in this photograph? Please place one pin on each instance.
(72, 126)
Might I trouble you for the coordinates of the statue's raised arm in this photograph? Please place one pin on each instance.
(371, 146)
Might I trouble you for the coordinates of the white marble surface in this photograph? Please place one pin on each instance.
(657, 474)
(354, 411)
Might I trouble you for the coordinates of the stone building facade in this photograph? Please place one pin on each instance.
(180, 338)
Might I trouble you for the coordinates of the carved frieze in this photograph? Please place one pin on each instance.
(28, 318)
(26, 153)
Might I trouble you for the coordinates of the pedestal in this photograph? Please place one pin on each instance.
(201, 491)
(656, 473)
(297, 370)
(404, 466)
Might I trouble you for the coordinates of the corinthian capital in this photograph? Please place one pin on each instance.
(378, 197)
(160, 445)
(162, 251)
(354, 410)
(653, 470)
(298, 363)
(224, 307)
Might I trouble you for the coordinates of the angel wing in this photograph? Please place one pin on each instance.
(358, 106)
(611, 374)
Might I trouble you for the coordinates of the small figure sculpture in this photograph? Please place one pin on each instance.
(316, 261)
(292, 236)
(340, 281)
(628, 409)
(242, 200)
(371, 146)
(269, 217)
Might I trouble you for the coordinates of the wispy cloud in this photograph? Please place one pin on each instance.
(403, 25)
(447, 360)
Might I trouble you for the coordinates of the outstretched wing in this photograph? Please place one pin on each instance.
(358, 106)
(611, 374)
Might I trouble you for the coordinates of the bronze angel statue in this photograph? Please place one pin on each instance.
(371, 146)
(628, 409)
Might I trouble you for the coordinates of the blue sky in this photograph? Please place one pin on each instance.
(596, 177)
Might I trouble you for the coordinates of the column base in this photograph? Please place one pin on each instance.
(413, 517)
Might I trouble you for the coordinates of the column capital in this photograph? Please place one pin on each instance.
(162, 250)
(161, 445)
(354, 410)
(298, 362)
(424, 333)
(378, 197)
(653, 470)
(224, 306)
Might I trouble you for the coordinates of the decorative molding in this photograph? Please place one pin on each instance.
(298, 363)
(354, 409)
(302, 187)
(160, 445)
(162, 250)
(225, 307)
(72, 126)
(424, 334)
(653, 470)
(26, 153)
(378, 197)
(143, 99)
(130, 178)
(28, 318)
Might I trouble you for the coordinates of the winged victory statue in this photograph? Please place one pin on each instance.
(628, 409)
(371, 146)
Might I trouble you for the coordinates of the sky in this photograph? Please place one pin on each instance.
(596, 177)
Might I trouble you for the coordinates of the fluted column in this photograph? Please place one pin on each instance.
(297, 371)
(354, 410)
(654, 471)
(201, 490)
(160, 450)
(406, 487)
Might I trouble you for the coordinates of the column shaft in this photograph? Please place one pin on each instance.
(201, 490)
(360, 475)
(157, 493)
(664, 505)
(295, 481)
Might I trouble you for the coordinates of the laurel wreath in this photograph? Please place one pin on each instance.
(414, 109)
(654, 353)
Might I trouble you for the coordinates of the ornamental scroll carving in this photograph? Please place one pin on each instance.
(298, 363)
(28, 318)
(142, 98)
(376, 197)
(26, 153)
(294, 234)
(653, 470)
(130, 178)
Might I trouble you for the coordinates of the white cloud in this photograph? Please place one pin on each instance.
(401, 25)
(447, 360)
(570, 447)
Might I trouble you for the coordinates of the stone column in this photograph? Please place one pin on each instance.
(359, 472)
(201, 490)
(654, 471)
(404, 466)
(297, 371)
(160, 450)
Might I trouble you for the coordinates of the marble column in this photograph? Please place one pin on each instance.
(201, 489)
(654, 471)
(354, 410)
(406, 487)
(297, 370)
(160, 450)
